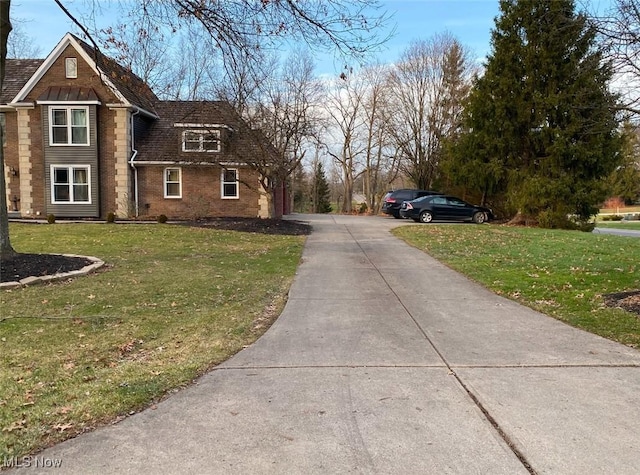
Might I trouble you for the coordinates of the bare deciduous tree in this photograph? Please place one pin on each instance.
(243, 79)
(345, 108)
(619, 29)
(20, 45)
(144, 51)
(426, 88)
(380, 165)
(287, 113)
(353, 27)
(195, 68)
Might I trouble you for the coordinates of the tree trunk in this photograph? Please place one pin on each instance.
(6, 251)
(519, 220)
(347, 172)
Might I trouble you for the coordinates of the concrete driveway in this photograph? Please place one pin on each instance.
(386, 361)
(618, 232)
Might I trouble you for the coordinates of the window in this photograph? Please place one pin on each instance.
(229, 183)
(456, 202)
(70, 184)
(69, 126)
(201, 141)
(172, 183)
(71, 67)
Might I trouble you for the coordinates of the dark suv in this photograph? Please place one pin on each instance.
(394, 199)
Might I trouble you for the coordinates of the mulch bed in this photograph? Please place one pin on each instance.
(629, 301)
(22, 266)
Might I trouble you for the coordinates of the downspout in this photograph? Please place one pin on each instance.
(131, 162)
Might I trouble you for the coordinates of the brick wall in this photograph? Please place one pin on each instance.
(200, 194)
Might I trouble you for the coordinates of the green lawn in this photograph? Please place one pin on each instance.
(173, 302)
(561, 273)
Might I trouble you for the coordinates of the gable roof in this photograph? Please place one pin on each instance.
(126, 86)
(17, 73)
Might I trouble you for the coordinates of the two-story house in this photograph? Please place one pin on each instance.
(86, 137)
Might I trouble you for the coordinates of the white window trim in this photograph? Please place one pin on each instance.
(71, 68)
(68, 109)
(70, 169)
(165, 182)
(222, 183)
(201, 134)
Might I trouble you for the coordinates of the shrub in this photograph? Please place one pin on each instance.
(557, 220)
(549, 219)
(162, 218)
(51, 218)
(111, 217)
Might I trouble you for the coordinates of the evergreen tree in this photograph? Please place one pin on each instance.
(541, 124)
(624, 182)
(320, 191)
(300, 186)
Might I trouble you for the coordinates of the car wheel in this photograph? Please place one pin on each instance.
(426, 217)
(479, 217)
(397, 215)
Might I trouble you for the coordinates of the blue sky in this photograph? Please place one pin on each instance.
(468, 20)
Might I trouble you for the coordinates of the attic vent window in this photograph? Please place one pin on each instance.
(71, 67)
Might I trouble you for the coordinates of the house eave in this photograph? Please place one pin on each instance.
(18, 105)
(137, 109)
(187, 163)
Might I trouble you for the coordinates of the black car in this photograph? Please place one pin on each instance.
(393, 200)
(444, 208)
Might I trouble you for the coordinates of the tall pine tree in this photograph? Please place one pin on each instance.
(320, 190)
(541, 122)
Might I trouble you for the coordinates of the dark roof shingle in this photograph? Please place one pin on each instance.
(17, 74)
(162, 141)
